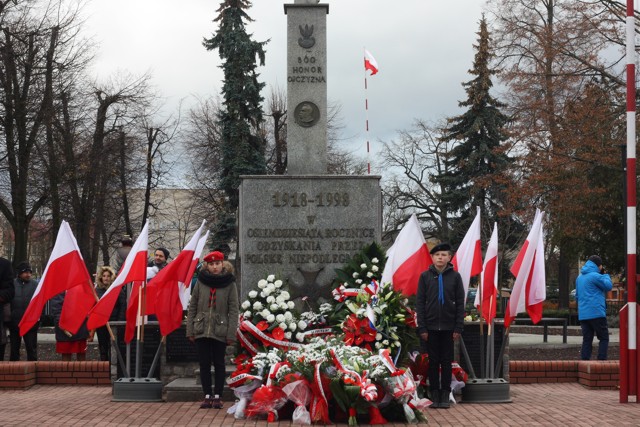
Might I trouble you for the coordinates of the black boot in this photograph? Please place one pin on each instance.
(444, 399)
(434, 394)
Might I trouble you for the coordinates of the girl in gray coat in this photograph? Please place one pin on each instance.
(212, 321)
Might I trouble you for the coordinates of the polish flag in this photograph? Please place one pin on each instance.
(529, 290)
(468, 258)
(184, 287)
(370, 62)
(489, 279)
(65, 271)
(134, 270)
(407, 258)
(168, 306)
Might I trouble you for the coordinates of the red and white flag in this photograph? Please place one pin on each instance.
(529, 289)
(165, 286)
(370, 62)
(468, 258)
(134, 270)
(184, 287)
(489, 279)
(407, 258)
(65, 271)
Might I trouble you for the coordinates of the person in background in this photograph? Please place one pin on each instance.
(212, 321)
(160, 258)
(67, 343)
(104, 279)
(592, 286)
(440, 319)
(6, 295)
(123, 251)
(24, 287)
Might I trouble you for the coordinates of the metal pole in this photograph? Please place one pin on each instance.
(628, 370)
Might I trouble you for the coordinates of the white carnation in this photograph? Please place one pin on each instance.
(247, 314)
(271, 318)
(378, 336)
(355, 274)
(369, 274)
(271, 278)
(262, 284)
(288, 316)
(283, 326)
(285, 295)
(280, 318)
(246, 305)
(278, 283)
(292, 326)
(262, 295)
(274, 307)
(264, 313)
(363, 266)
(374, 261)
(358, 281)
(300, 336)
(283, 305)
(265, 292)
(290, 305)
(271, 299)
(374, 268)
(287, 335)
(257, 306)
(253, 294)
(302, 325)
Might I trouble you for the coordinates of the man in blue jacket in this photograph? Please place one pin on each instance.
(591, 290)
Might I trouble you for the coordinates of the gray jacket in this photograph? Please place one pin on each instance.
(219, 321)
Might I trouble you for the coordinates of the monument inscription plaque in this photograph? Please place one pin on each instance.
(303, 228)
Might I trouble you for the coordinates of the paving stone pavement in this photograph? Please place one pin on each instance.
(565, 404)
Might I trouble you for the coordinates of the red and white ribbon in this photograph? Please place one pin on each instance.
(266, 339)
(240, 379)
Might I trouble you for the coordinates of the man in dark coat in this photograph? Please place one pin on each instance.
(24, 287)
(6, 295)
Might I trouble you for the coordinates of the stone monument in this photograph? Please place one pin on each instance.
(303, 225)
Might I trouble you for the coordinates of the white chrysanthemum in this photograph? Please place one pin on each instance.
(369, 274)
(262, 284)
(278, 283)
(385, 342)
(257, 306)
(378, 345)
(285, 295)
(302, 325)
(263, 295)
(293, 326)
(280, 318)
(271, 278)
(290, 305)
(378, 336)
(253, 294)
(265, 313)
(271, 318)
(271, 299)
(287, 335)
(288, 316)
(300, 337)
(283, 305)
(355, 275)
(265, 292)
(374, 268)
(246, 305)
(374, 261)
(283, 326)
(363, 266)
(247, 314)
(274, 307)
(359, 281)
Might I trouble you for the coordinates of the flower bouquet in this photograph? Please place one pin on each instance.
(299, 392)
(268, 398)
(244, 382)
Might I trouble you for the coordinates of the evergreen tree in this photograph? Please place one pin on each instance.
(240, 118)
(477, 163)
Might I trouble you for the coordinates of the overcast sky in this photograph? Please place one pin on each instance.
(424, 49)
